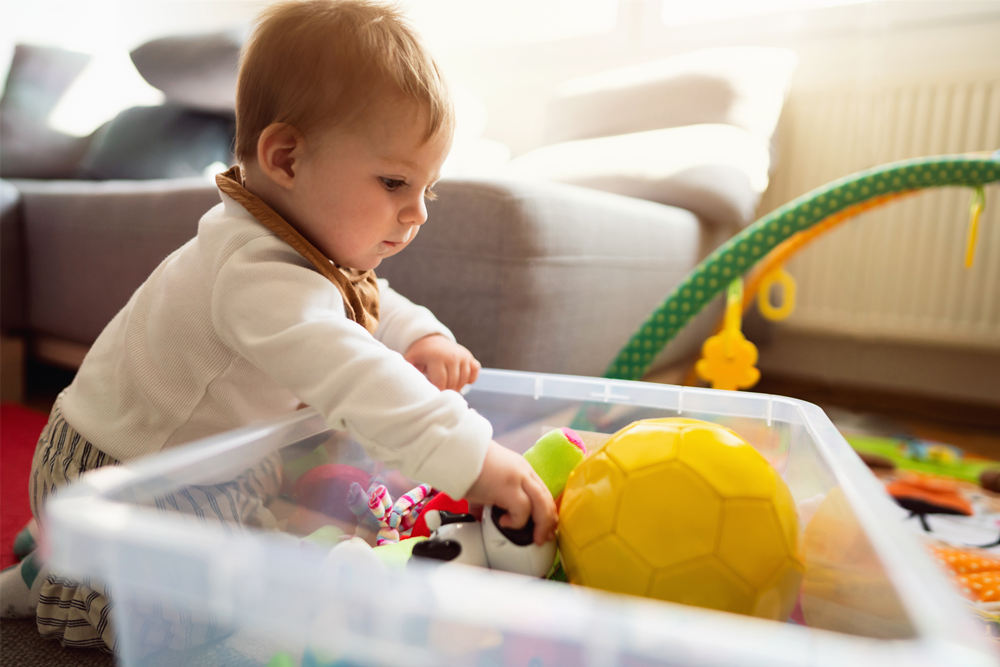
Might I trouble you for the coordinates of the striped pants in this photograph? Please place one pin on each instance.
(78, 613)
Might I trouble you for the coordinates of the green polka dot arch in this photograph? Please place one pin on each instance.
(739, 254)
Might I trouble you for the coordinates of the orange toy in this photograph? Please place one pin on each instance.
(924, 494)
(976, 572)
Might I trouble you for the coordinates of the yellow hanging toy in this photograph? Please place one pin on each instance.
(728, 358)
(975, 210)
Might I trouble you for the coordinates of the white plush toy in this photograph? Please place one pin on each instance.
(460, 538)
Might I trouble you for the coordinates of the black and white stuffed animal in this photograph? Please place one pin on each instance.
(460, 538)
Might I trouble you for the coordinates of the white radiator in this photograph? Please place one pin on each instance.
(897, 272)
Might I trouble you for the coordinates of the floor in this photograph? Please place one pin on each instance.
(973, 428)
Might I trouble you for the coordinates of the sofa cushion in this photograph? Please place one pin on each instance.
(197, 71)
(719, 172)
(694, 130)
(37, 79)
(547, 277)
(159, 142)
(740, 86)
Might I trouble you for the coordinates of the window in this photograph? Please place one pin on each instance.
(684, 12)
(487, 22)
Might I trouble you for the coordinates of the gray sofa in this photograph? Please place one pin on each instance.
(529, 276)
(547, 264)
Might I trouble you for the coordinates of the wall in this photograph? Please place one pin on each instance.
(848, 45)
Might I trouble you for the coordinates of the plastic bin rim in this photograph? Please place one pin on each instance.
(920, 586)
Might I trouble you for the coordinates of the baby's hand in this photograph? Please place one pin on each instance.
(446, 364)
(507, 480)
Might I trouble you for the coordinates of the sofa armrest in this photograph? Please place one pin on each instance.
(89, 244)
(546, 277)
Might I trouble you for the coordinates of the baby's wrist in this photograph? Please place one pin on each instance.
(425, 337)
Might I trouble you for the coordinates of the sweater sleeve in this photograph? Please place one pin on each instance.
(402, 322)
(289, 322)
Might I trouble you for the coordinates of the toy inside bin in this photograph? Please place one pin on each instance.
(870, 594)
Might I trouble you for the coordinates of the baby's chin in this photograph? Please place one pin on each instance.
(370, 263)
(373, 259)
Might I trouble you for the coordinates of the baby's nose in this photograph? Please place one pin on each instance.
(414, 214)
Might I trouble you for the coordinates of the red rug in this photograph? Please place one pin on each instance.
(19, 430)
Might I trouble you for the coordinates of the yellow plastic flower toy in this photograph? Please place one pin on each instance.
(728, 358)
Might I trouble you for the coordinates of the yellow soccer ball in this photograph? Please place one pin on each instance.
(686, 511)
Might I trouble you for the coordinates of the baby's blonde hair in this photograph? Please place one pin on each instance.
(316, 63)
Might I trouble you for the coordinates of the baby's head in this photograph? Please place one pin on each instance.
(342, 124)
(318, 63)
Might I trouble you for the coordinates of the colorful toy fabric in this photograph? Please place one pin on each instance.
(440, 502)
(396, 518)
(407, 507)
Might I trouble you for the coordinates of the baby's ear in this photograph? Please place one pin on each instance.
(279, 147)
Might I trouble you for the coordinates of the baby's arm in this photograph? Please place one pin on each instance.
(413, 331)
(507, 480)
(444, 362)
(288, 321)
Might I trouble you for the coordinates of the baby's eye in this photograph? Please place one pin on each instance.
(430, 195)
(392, 184)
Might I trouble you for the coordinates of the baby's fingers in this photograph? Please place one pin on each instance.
(543, 510)
(518, 506)
(471, 371)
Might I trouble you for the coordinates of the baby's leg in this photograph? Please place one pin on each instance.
(75, 613)
(78, 613)
(241, 502)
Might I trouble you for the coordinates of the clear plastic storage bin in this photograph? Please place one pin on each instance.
(871, 595)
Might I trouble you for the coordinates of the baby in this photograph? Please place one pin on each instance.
(342, 124)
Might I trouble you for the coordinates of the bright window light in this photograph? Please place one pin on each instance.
(108, 85)
(685, 12)
(487, 22)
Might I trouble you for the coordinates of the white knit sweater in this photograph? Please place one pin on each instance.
(236, 327)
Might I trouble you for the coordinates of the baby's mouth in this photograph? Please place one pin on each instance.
(396, 244)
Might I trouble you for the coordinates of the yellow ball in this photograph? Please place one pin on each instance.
(686, 511)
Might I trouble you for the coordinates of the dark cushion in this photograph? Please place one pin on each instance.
(159, 142)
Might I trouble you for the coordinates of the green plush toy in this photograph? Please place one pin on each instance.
(554, 455)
